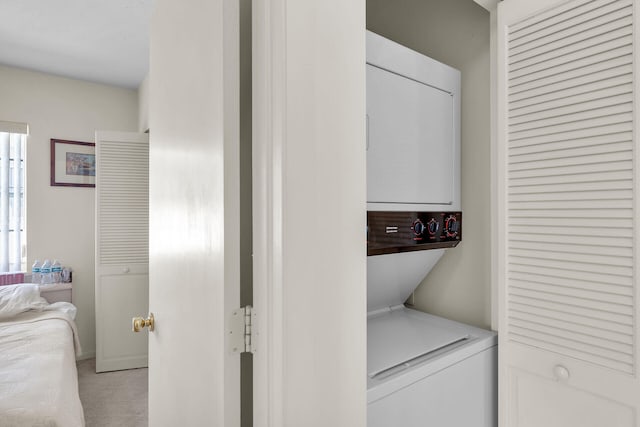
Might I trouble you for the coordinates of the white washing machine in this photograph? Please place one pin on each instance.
(428, 371)
(422, 370)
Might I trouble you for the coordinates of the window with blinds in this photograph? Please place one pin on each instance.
(12, 197)
(570, 182)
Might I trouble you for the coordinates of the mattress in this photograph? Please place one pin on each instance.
(38, 376)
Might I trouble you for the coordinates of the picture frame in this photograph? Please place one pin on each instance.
(73, 163)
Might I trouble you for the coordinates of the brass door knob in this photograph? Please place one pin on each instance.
(139, 323)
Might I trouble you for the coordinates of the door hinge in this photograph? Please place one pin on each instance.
(242, 325)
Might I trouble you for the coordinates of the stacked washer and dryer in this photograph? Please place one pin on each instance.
(423, 370)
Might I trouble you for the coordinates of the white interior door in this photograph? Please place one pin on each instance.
(194, 380)
(122, 255)
(568, 209)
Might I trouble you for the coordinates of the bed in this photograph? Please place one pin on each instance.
(38, 347)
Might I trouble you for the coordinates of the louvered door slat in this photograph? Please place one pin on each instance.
(123, 200)
(552, 291)
(610, 69)
(586, 338)
(566, 93)
(555, 189)
(621, 172)
(577, 196)
(570, 99)
(570, 207)
(563, 16)
(570, 137)
(545, 261)
(571, 222)
(574, 159)
(563, 37)
(577, 237)
(550, 272)
(592, 290)
(554, 61)
(551, 148)
(544, 246)
(574, 327)
(522, 290)
(567, 110)
(555, 317)
(599, 43)
(587, 312)
(601, 120)
(568, 152)
(552, 123)
(617, 217)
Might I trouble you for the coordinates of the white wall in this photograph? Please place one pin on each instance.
(455, 32)
(143, 105)
(60, 220)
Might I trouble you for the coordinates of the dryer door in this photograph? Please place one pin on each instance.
(410, 145)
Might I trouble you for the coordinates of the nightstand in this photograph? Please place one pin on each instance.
(55, 292)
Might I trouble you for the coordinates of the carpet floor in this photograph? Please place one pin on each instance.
(113, 399)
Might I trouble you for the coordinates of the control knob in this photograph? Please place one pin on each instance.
(451, 226)
(433, 226)
(418, 227)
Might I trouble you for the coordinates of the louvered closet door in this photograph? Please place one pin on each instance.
(122, 248)
(567, 205)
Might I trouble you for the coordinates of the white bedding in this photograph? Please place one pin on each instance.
(38, 376)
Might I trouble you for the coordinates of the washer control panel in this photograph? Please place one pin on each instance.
(392, 232)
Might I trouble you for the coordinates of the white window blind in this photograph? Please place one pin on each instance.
(571, 181)
(12, 196)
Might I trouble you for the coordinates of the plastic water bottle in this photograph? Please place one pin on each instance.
(56, 271)
(35, 272)
(45, 272)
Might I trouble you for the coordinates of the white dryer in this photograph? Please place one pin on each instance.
(422, 370)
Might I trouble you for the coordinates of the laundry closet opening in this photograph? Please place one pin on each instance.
(456, 33)
(428, 179)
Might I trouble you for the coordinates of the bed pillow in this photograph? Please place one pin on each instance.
(16, 299)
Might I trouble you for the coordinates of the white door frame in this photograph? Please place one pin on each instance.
(309, 189)
(267, 107)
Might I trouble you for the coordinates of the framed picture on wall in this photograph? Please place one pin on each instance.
(73, 163)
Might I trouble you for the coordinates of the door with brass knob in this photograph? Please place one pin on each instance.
(122, 259)
(139, 323)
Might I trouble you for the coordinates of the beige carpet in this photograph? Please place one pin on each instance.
(113, 399)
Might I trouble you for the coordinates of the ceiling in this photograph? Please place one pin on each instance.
(104, 41)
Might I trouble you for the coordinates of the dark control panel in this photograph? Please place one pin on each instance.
(392, 232)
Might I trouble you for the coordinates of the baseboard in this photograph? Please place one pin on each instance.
(85, 356)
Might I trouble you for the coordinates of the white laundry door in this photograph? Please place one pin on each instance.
(194, 280)
(568, 207)
(122, 241)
